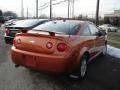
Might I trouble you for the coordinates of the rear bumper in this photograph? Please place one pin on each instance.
(42, 62)
(8, 39)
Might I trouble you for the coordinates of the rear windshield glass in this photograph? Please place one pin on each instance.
(26, 23)
(64, 27)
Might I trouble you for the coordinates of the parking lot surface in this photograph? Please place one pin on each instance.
(103, 74)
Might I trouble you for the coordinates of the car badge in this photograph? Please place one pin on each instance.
(32, 41)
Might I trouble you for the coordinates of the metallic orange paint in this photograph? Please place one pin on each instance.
(29, 50)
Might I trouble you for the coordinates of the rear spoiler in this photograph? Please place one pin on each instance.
(51, 33)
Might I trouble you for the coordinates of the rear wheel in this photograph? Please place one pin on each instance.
(81, 71)
(83, 67)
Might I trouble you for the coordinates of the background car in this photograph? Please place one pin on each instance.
(108, 28)
(21, 26)
(10, 22)
(59, 47)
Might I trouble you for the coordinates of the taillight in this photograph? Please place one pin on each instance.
(16, 41)
(7, 32)
(49, 45)
(61, 47)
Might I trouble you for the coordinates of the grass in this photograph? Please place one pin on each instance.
(113, 44)
(114, 37)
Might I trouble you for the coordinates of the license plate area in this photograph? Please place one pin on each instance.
(30, 61)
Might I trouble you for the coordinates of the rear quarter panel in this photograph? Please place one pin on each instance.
(81, 44)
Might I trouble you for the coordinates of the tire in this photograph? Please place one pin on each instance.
(83, 67)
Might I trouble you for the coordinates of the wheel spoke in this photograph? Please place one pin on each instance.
(83, 68)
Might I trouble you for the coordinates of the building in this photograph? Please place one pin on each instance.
(113, 18)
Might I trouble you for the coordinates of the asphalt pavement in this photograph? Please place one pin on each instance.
(103, 74)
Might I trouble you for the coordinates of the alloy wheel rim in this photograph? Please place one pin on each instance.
(83, 68)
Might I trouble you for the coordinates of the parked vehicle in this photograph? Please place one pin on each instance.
(10, 22)
(59, 47)
(108, 28)
(21, 26)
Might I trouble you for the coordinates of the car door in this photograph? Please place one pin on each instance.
(98, 40)
(89, 40)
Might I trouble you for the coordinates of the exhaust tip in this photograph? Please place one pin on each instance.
(17, 66)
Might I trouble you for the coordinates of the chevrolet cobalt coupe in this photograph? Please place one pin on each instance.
(59, 47)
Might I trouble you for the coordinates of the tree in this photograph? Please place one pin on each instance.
(10, 14)
(1, 13)
(80, 17)
(43, 16)
(106, 20)
(1, 17)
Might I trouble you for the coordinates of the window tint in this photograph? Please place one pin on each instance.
(58, 26)
(86, 32)
(93, 29)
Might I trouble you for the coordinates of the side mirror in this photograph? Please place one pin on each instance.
(100, 33)
(104, 33)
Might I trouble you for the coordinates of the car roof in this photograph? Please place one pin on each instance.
(23, 23)
(74, 21)
(31, 20)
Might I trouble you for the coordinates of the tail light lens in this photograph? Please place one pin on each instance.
(16, 41)
(49, 45)
(7, 32)
(61, 47)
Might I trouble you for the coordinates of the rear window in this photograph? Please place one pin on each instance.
(26, 23)
(56, 26)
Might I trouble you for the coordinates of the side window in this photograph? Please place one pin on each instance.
(93, 29)
(75, 29)
(86, 32)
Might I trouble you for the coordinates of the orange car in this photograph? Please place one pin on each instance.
(59, 47)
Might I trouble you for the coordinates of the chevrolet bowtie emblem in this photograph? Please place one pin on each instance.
(32, 41)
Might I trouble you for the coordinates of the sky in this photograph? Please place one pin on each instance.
(86, 7)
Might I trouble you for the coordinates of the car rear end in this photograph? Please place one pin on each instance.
(45, 50)
(114, 29)
(10, 33)
(41, 52)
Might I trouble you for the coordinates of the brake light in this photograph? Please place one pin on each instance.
(16, 41)
(7, 32)
(61, 47)
(49, 45)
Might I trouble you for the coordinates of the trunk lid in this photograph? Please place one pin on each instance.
(36, 42)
